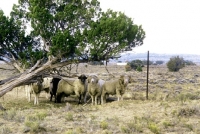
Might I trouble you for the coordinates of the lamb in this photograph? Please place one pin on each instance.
(116, 86)
(74, 88)
(35, 88)
(53, 87)
(94, 87)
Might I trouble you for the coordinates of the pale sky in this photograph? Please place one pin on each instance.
(171, 26)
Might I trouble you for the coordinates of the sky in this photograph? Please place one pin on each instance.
(171, 26)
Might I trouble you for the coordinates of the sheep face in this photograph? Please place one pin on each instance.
(93, 79)
(82, 78)
(121, 79)
(127, 79)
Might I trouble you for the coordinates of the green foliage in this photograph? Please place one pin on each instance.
(104, 125)
(139, 69)
(15, 45)
(136, 65)
(154, 128)
(71, 30)
(175, 64)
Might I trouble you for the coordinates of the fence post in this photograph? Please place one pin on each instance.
(147, 91)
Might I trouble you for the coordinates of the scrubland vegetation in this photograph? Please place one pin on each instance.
(173, 106)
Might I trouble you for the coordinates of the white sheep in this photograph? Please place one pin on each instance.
(94, 87)
(34, 88)
(112, 87)
(46, 85)
(75, 88)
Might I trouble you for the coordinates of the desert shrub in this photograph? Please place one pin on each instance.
(104, 125)
(125, 129)
(139, 69)
(69, 116)
(5, 130)
(159, 62)
(9, 114)
(175, 64)
(154, 128)
(128, 68)
(189, 111)
(145, 62)
(189, 63)
(166, 124)
(136, 64)
(96, 63)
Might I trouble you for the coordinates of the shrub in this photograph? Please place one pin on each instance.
(104, 125)
(154, 128)
(69, 116)
(136, 64)
(128, 68)
(189, 63)
(159, 62)
(175, 64)
(139, 69)
(145, 62)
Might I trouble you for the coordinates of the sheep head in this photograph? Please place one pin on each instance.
(82, 78)
(93, 79)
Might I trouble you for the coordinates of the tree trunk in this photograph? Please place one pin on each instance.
(28, 75)
(8, 86)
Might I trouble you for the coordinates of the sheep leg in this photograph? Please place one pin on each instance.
(36, 102)
(79, 102)
(102, 98)
(29, 97)
(118, 94)
(96, 99)
(92, 99)
(85, 98)
(26, 90)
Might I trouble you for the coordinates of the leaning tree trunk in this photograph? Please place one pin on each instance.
(8, 86)
(30, 74)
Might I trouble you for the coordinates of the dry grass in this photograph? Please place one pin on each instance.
(173, 107)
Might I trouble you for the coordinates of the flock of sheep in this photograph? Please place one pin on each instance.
(83, 88)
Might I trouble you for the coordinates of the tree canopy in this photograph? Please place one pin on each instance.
(41, 35)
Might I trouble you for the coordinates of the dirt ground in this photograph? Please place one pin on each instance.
(173, 106)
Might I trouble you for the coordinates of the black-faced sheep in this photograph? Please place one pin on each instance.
(94, 87)
(53, 87)
(113, 87)
(74, 88)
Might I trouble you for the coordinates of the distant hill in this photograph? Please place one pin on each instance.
(155, 57)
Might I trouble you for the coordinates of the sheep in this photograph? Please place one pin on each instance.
(127, 80)
(35, 88)
(74, 88)
(46, 85)
(53, 87)
(113, 87)
(94, 87)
